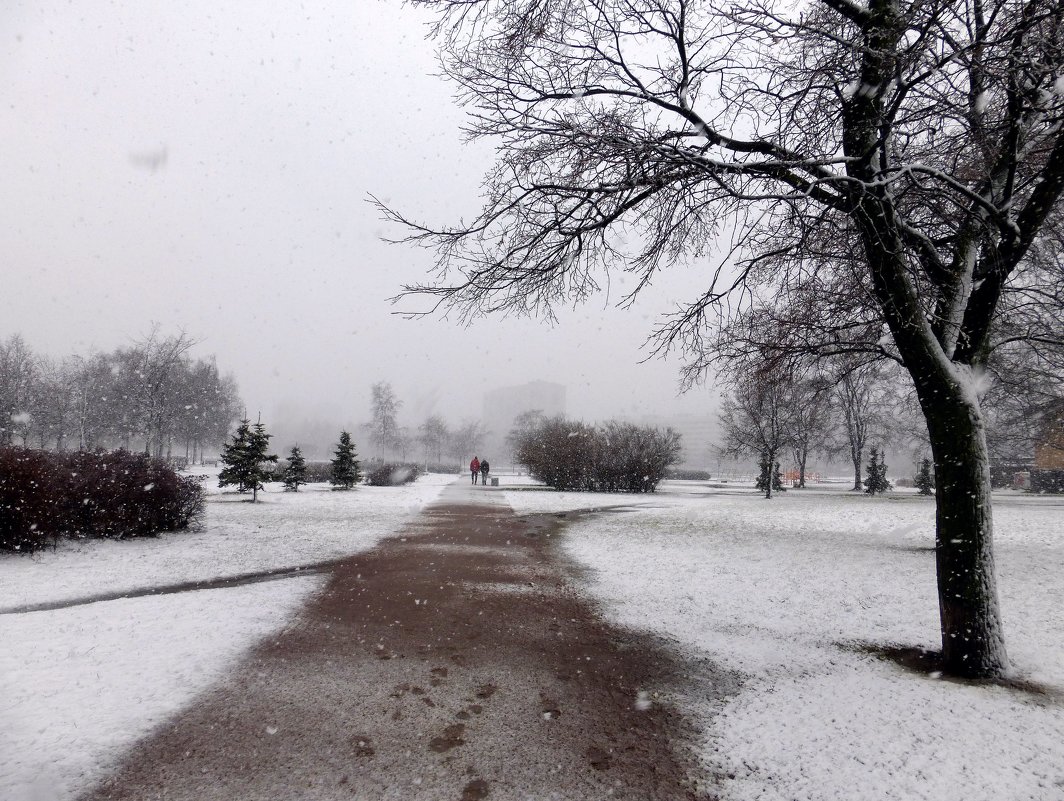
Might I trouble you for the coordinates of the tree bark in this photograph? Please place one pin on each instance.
(855, 455)
(973, 641)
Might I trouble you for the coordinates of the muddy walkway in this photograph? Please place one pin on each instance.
(454, 661)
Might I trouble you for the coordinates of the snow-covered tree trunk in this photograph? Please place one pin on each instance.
(855, 457)
(973, 641)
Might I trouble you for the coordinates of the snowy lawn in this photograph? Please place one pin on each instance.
(78, 686)
(790, 593)
(283, 529)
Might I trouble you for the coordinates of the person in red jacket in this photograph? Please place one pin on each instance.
(474, 466)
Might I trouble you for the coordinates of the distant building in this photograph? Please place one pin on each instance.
(1049, 450)
(502, 406)
(1048, 472)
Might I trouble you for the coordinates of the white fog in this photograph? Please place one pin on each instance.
(707, 445)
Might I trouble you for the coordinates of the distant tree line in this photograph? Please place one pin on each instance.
(435, 440)
(787, 410)
(151, 396)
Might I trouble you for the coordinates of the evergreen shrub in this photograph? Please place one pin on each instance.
(876, 472)
(345, 466)
(767, 468)
(924, 480)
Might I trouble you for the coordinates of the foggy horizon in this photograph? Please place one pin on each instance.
(208, 169)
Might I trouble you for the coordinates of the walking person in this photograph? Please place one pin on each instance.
(484, 472)
(474, 468)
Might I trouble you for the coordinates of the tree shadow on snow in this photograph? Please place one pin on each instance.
(928, 663)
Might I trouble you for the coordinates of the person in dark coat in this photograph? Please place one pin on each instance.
(474, 468)
(484, 472)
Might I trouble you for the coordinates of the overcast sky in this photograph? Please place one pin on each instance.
(205, 165)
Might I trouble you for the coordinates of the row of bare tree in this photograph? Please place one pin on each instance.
(838, 408)
(151, 396)
(434, 438)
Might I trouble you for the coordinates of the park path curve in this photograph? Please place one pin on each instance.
(454, 661)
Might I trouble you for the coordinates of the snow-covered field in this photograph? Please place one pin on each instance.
(79, 685)
(789, 594)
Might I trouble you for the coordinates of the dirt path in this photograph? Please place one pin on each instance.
(454, 661)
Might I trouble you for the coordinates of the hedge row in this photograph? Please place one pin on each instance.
(317, 472)
(390, 474)
(45, 496)
(375, 474)
(685, 474)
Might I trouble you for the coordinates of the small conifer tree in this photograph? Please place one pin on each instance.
(244, 459)
(876, 480)
(766, 469)
(295, 472)
(925, 478)
(345, 466)
(234, 457)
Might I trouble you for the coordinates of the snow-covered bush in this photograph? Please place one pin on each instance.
(316, 472)
(614, 457)
(687, 474)
(46, 495)
(390, 474)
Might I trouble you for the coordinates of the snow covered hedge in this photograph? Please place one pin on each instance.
(389, 474)
(614, 457)
(316, 472)
(46, 495)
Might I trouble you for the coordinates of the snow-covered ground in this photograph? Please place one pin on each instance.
(790, 593)
(79, 685)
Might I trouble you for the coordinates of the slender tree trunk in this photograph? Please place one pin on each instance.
(855, 455)
(771, 474)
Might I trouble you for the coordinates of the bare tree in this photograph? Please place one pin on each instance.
(55, 401)
(756, 418)
(91, 412)
(858, 403)
(921, 142)
(18, 368)
(1025, 394)
(203, 407)
(433, 436)
(524, 423)
(466, 439)
(810, 420)
(384, 424)
(147, 373)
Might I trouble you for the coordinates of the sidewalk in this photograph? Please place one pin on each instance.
(454, 661)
